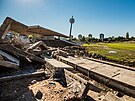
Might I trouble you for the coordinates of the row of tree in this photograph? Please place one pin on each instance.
(90, 39)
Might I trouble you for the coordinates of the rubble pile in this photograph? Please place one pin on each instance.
(29, 70)
(23, 60)
(19, 50)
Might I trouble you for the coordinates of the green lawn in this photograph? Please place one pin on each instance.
(122, 46)
(123, 51)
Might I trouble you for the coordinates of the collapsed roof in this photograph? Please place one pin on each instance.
(10, 24)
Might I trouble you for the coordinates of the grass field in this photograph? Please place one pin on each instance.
(116, 51)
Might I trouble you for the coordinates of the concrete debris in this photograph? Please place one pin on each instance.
(10, 57)
(39, 95)
(111, 97)
(62, 53)
(23, 51)
(1, 58)
(47, 52)
(38, 44)
(20, 53)
(52, 84)
(33, 81)
(23, 46)
(31, 70)
(5, 31)
(22, 76)
(112, 52)
(79, 86)
(8, 64)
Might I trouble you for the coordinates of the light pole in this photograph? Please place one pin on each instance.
(71, 20)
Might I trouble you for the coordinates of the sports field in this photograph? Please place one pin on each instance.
(124, 51)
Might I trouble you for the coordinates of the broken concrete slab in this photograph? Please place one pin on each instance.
(10, 57)
(111, 97)
(20, 53)
(8, 64)
(57, 64)
(40, 44)
(10, 24)
(6, 31)
(1, 58)
(103, 73)
(1, 32)
(63, 53)
(128, 98)
(42, 51)
(21, 76)
(80, 86)
(56, 68)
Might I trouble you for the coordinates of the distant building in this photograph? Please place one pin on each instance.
(79, 36)
(101, 36)
(112, 37)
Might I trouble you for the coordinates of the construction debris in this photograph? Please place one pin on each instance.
(32, 71)
(20, 53)
(8, 64)
(16, 53)
(112, 97)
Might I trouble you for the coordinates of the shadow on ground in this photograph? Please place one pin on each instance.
(17, 90)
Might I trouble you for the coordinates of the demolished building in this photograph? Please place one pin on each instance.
(11, 25)
(43, 70)
(19, 62)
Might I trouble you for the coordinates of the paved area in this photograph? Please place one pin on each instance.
(113, 72)
(57, 64)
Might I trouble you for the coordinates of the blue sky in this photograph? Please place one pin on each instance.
(111, 17)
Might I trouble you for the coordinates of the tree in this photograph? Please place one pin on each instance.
(90, 36)
(83, 38)
(132, 38)
(80, 37)
(127, 35)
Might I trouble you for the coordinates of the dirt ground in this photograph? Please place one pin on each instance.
(41, 89)
(35, 89)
